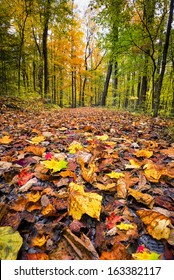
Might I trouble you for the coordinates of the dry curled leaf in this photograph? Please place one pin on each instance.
(158, 225)
(144, 198)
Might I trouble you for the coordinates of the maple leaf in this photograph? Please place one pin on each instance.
(81, 202)
(10, 243)
(48, 156)
(112, 220)
(157, 224)
(24, 176)
(6, 139)
(124, 226)
(146, 256)
(55, 165)
(102, 137)
(75, 147)
(115, 175)
(38, 151)
(144, 153)
(36, 140)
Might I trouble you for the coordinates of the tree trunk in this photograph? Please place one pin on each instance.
(108, 76)
(158, 84)
(115, 83)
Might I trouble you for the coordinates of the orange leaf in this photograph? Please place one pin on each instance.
(37, 256)
(38, 151)
(33, 197)
(144, 198)
(157, 224)
(39, 241)
(144, 153)
(6, 139)
(48, 210)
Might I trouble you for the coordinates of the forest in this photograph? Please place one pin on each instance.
(118, 54)
(87, 131)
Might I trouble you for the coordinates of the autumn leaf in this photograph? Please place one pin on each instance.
(24, 176)
(88, 174)
(48, 156)
(36, 140)
(133, 164)
(144, 153)
(38, 151)
(103, 137)
(39, 241)
(112, 219)
(55, 165)
(48, 210)
(146, 256)
(124, 226)
(144, 198)
(37, 256)
(158, 225)
(33, 196)
(81, 202)
(152, 172)
(75, 147)
(115, 175)
(10, 243)
(6, 139)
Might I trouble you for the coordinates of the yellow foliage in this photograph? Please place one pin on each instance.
(6, 139)
(81, 202)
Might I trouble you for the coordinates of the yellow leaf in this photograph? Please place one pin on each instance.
(144, 153)
(6, 139)
(48, 210)
(123, 226)
(157, 224)
(55, 165)
(152, 172)
(102, 137)
(115, 175)
(144, 198)
(33, 197)
(146, 256)
(36, 140)
(75, 147)
(133, 164)
(81, 202)
(10, 243)
(39, 241)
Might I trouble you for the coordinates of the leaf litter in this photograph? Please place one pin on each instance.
(85, 183)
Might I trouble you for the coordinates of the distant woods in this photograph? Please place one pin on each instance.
(120, 53)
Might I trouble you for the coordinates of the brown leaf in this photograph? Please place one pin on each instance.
(146, 199)
(158, 225)
(118, 253)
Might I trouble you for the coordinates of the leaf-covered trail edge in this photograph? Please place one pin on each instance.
(86, 183)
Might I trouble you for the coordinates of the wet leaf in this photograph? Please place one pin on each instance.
(158, 225)
(81, 202)
(144, 198)
(144, 153)
(124, 226)
(6, 139)
(115, 175)
(55, 165)
(10, 243)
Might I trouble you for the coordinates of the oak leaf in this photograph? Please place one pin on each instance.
(55, 165)
(81, 202)
(144, 198)
(158, 225)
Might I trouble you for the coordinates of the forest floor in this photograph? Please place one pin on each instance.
(85, 183)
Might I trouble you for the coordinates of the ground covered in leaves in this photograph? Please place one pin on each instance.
(85, 183)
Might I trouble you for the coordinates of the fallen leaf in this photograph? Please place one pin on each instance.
(39, 241)
(10, 243)
(75, 147)
(33, 196)
(36, 140)
(103, 137)
(112, 219)
(121, 188)
(118, 253)
(144, 198)
(146, 256)
(81, 202)
(169, 152)
(153, 172)
(115, 175)
(37, 256)
(55, 165)
(107, 187)
(6, 139)
(88, 174)
(144, 153)
(124, 226)
(38, 151)
(48, 210)
(24, 176)
(158, 225)
(28, 185)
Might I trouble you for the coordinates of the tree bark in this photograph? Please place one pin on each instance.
(105, 91)
(159, 82)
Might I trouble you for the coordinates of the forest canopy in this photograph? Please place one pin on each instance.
(120, 53)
